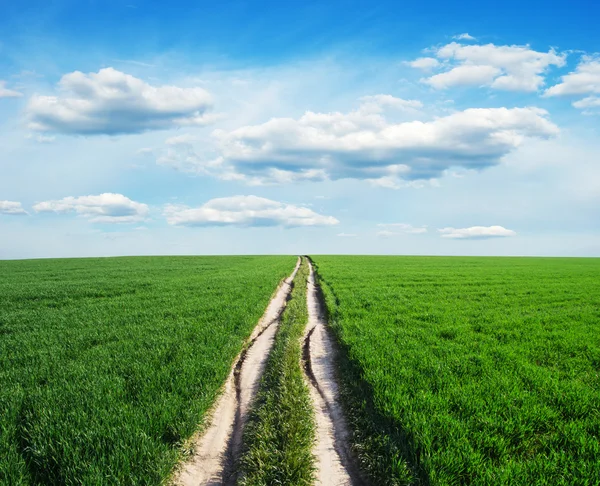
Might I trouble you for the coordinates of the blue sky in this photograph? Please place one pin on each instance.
(299, 127)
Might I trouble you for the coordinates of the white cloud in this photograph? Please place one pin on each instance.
(44, 139)
(589, 105)
(8, 93)
(246, 211)
(186, 138)
(111, 102)
(513, 68)
(466, 75)
(145, 151)
(476, 232)
(366, 146)
(424, 63)
(386, 234)
(584, 80)
(464, 36)
(12, 208)
(589, 102)
(378, 103)
(394, 179)
(182, 156)
(41, 138)
(347, 235)
(405, 228)
(103, 208)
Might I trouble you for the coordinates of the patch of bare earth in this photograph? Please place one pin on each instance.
(332, 450)
(217, 449)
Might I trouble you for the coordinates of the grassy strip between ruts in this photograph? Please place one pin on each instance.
(280, 431)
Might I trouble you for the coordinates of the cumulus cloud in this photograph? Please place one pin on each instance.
(378, 103)
(424, 63)
(467, 75)
(464, 36)
(8, 93)
(512, 68)
(180, 152)
(184, 139)
(402, 228)
(245, 211)
(590, 105)
(584, 80)
(182, 156)
(12, 208)
(111, 102)
(103, 208)
(364, 145)
(589, 102)
(41, 138)
(476, 232)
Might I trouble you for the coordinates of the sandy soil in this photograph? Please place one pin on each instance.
(217, 448)
(334, 464)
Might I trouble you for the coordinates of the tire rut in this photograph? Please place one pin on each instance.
(217, 449)
(335, 464)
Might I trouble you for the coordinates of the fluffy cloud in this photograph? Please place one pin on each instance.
(366, 146)
(246, 211)
(584, 80)
(103, 208)
(44, 139)
(8, 93)
(378, 103)
(513, 68)
(12, 208)
(589, 104)
(464, 36)
(476, 232)
(40, 138)
(401, 228)
(424, 63)
(111, 102)
(181, 154)
(184, 139)
(467, 75)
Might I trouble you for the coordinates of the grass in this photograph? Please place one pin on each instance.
(108, 365)
(479, 371)
(280, 431)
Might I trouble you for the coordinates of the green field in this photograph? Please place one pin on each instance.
(481, 371)
(469, 370)
(108, 365)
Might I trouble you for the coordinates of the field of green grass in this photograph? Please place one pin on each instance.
(469, 370)
(108, 365)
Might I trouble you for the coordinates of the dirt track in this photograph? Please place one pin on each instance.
(217, 448)
(331, 450)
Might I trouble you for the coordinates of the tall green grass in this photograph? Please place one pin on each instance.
(108, 365)
(482, 371)
(280, 431)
